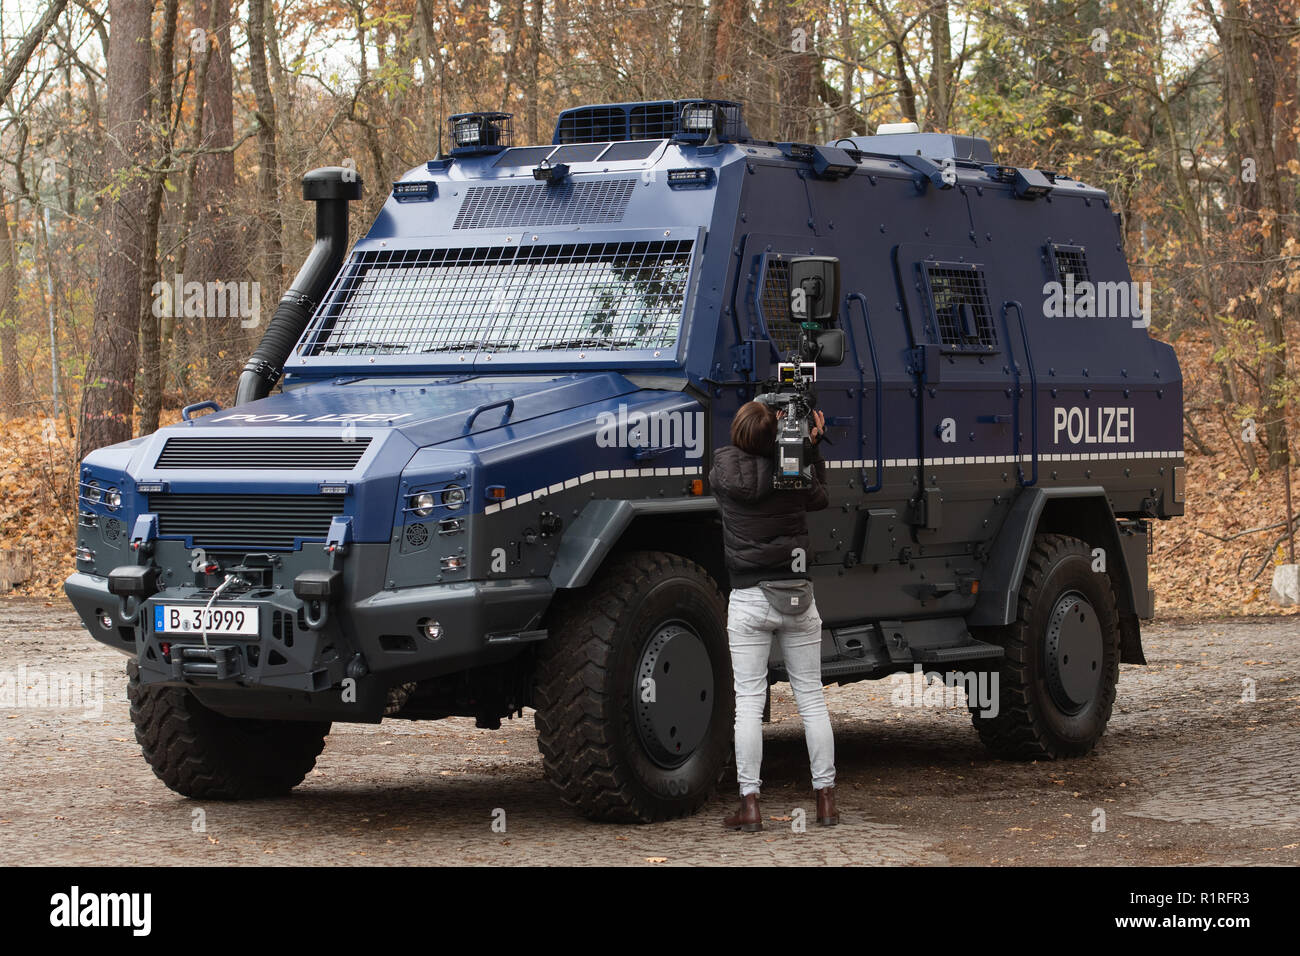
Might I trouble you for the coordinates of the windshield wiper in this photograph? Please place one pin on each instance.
(590, 343)
(361, 346)
(468, 347)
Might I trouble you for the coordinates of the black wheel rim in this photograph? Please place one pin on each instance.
(673, 691)
(1075, 651)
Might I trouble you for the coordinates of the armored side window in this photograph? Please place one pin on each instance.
(958, 316)
(774, 305)
(1067, 261)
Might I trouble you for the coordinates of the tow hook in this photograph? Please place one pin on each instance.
(136, 583)
(133, 584)
(317, 588)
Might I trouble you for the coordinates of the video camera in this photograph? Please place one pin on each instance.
(814, 302)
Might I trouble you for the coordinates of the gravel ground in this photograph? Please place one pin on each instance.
(1189, 772)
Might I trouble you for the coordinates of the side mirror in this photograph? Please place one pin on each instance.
(830, 346)
(814, 289)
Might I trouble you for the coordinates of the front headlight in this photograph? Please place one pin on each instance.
(453, 496)
(93, 493)
(113, 499)
(423, 504)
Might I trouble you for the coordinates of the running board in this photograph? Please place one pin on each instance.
(975, 651)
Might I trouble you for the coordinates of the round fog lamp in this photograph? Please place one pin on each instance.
(453, 496)
(430, 628)
(422, 504)
(113, 499)
(106, 622)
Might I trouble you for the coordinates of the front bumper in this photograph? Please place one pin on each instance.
(377, 640)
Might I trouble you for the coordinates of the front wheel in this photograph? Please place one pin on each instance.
(634, 696)
(203, 754)
(1058, 676)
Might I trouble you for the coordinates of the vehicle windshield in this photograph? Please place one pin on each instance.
(605, 295)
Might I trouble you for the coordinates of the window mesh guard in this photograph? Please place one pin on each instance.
(959, 307)
(774, 305)
(1070, 260)
(613, 295)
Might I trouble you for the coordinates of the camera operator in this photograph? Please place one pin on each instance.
(765, 534)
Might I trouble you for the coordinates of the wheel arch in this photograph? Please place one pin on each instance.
(609, 527)
(1080, 512)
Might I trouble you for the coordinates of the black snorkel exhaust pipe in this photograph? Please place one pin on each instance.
(331, 188)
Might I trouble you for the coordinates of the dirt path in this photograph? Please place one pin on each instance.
(1188, 773)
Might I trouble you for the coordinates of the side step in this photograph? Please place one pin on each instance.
(975, 651)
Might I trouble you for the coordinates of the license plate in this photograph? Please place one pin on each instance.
(197, 619)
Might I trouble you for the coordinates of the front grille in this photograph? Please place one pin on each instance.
(541, 204)
(324, 453)
(246, 522)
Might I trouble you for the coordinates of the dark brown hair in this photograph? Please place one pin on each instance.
(753, 429)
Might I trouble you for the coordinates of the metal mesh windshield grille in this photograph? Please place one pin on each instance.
(611, 295)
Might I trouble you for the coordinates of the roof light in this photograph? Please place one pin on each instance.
(831, 162)
(888, 129)
(1031, 184)
(688, 178)
(700, 118)
(480, 132)
(415, 191)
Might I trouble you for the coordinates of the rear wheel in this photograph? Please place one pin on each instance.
(203, 754)
(1056, 685)
(634, 702)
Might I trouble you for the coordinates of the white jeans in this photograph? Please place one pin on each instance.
(751, 624)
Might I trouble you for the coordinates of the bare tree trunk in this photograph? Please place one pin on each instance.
(432, 119)
(940, 112)
(106, 401)
(9, 394)
(188, 202)
(216, 255)
(268, 175)
(534, 58)
(152, 377)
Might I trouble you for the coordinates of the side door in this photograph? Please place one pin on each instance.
(846, 394)
(968, 393)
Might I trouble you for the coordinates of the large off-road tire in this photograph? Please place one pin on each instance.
(1057, 679)
(203, 754)
(651, 625)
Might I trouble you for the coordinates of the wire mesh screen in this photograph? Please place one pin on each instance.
(1070, 260)
(959, 316)
(612, 295)
(542, 204)
(774, 307)
(652, 121)
(592, 124)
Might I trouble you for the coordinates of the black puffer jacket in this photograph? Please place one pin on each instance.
(761, 526)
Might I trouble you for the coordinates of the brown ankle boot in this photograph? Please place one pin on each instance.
(747, 816)
(826, 814)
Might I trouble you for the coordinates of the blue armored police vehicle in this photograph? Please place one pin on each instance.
(482, 483)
